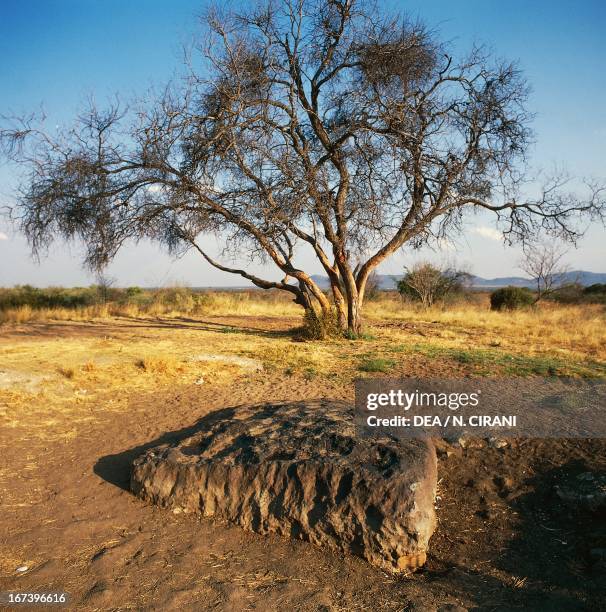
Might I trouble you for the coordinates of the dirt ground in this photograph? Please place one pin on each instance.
(68, 522)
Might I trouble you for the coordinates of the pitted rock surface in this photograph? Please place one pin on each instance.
(299, 469)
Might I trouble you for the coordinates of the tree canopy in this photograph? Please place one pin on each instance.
(327, 123)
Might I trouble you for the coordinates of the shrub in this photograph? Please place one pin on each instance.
(571, 293)
(51, 297)
(575, 293)
(320, 326)
(595, 289)
(511, 298)
(133, 292)
(428, 284)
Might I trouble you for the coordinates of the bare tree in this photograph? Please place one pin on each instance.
(544, 265)
(104, 284)
(323, 122)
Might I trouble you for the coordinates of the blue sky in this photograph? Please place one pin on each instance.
(57, 52)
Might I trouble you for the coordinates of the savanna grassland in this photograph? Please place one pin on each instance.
(86, 386)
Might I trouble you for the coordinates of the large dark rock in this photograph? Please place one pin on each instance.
(300, 470)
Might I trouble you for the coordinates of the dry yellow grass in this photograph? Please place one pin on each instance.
(577, 329)
(64, 370)
(221, 303)
(27, 314)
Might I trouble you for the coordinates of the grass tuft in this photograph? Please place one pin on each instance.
(376, 364)
(89, 366)
(158, 365)
(67, 372)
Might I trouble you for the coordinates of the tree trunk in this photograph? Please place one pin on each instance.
(339, 305)
(354, 319)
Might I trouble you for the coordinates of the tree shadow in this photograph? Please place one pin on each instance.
(546, 563)
(215, 326)
(86, 329)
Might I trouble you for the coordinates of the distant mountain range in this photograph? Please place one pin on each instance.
(387, 281)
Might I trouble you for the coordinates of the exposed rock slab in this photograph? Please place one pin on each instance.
(300, 470)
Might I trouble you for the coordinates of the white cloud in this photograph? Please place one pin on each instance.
(487, 232)
(3, 236)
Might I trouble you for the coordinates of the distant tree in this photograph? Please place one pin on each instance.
(575, 293)
(570, 293)
(373, 286)
(544, 265)
(104, 284)
(595, 289)
(595, 293)
(327, 123)
(511, 298)
(428, 284)
(132, 292)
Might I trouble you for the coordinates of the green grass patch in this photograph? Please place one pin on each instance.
(361, 336)
(489, 361)
(376, 364)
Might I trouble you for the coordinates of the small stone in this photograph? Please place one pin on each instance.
(199, 381)
(498, 442)
(22, 568)
(469, 442)
(445, 449)
(463, 442)
(441, 445)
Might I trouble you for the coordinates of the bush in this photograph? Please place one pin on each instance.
(596, 289)
(320, 326)
(51, 297)
(179, 299)
(571, 293)
(575, 293)
(511, 298)
(133, 292)
(428, 284)
(595, 293)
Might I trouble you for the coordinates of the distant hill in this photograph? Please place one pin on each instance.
(387, 281)
(576, 276)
